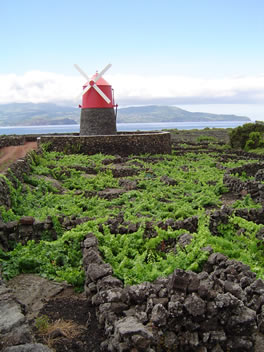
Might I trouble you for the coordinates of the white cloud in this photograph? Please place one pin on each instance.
(36, 86)
(182, 89)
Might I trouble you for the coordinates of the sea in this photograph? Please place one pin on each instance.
(121, 127)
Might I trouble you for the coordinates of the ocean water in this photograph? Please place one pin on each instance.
(128, 127)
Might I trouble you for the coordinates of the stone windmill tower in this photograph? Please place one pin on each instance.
(98, 116)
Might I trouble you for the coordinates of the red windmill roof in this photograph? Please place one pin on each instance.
(101, 81)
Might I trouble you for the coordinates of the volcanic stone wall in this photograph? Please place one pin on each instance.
(218, 309)
(11, 140)
(7, 141)
(15, 172)
(122, 144)
(27, 228)
(192, 136)
(254, 187)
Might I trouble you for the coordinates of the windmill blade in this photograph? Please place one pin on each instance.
(86, 89)
(102, 72)
(81, 72)
(83, 92)
(99, 91)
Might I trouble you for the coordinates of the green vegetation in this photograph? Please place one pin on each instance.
(238, 241)
(135, 257)
(42, 323)
(249, 136)
(204, 138)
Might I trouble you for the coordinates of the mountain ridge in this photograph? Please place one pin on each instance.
(32, 114)
(157, 113)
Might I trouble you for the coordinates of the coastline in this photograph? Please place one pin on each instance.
(129, 127)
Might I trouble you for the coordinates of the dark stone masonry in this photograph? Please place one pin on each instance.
(14, 140)
(123, 144)
(220, 309)
(252, 186)
(7, 141)
(97, 122)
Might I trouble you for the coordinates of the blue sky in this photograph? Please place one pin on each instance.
(216, 45)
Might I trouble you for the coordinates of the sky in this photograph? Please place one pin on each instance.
(192, 53)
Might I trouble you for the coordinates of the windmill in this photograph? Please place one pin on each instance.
(97, 110)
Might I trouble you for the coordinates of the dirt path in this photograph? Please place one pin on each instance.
(10, 154)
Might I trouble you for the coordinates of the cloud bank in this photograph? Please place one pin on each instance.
(40, 87)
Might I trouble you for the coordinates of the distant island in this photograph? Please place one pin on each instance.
(156, 113)
(30, 114)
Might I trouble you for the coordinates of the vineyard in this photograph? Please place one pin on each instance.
(135, 207)
(150, 214)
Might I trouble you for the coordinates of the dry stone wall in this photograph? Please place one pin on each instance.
(27, 228)
(219, 309)
(7, 141)
(192, 136)
(15, 172)
(5, 197)
(254, 187)
(11, 140)
(122, 144)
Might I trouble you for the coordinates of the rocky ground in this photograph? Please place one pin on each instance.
(36, 312)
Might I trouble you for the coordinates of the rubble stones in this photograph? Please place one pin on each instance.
(184, 311)
(194, 305)
(159, 315)
(132, 332)
(180, 280)
(97, 271)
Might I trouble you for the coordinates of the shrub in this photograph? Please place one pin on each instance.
(255, 141)
(240, 135)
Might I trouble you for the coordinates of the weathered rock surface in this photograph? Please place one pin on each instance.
(30, 347)
(21, 299)
(32, 291)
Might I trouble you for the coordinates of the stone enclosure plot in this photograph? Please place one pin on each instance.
(217, 308)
